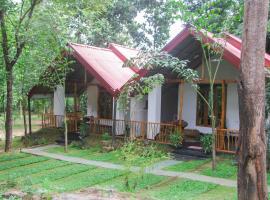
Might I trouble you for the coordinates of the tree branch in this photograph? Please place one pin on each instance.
(4, 40)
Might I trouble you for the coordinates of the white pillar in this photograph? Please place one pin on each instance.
(59, 101)
(92, 100)
(154, 112)
(59, 105)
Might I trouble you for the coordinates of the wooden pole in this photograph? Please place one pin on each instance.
(75, 98)
(114, 121)
(223, 105)
(29, 115)
(181, 101)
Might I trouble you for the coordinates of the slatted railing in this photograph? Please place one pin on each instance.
(158, 132)
(226, 140)
(50, 120)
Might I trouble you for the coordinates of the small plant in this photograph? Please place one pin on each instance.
(84, 130)
(207, 141)
(141, 155)
(105, 136)
(176, 139)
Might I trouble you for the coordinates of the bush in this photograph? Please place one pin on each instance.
(30, 140)
(143, 156)
(84, 129)
(207, 141)
(176, 139)
(105, 136)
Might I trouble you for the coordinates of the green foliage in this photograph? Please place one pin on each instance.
(188, 166)
(224, 169)
(84, 129)
(213, 15)
(152, 60)
(144, 182)
(30, 140)
(176, 139)
(86, 179)
(21, 162)
(182, 189)
(32, 169)
(143, 155)
(42, 137)
(207, 141)
(105, 136)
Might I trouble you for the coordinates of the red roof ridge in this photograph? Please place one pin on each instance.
(122, 46)
(233, 40)
(231, 44)
(89, 46)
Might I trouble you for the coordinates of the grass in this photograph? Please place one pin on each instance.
(96, 153)
(188, 166)
(85, 179)
(225, 168)
(21, 162)
(140, 182)
(32, 174)
(183, 189)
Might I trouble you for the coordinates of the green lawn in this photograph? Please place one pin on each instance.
(39, 174)
(95, 152)
(226, 168)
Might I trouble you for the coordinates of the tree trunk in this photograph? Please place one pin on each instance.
(24, 118)
(252, 183)
(8, 123)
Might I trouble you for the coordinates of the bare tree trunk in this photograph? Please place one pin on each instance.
(252, 183)
(8, 123)
(24, 118)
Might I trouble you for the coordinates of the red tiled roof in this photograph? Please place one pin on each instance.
(232, 45)
(105, 65)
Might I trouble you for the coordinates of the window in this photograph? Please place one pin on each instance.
(105, 105)
(203, 112)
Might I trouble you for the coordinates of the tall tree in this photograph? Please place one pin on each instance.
(13, 41)
(252, 182)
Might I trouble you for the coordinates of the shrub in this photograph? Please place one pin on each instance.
(84, 129)
(105, 136)
(143, 155)
(207, 141)
(32, 140)
(176, 138)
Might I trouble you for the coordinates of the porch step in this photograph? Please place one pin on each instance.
(193, 151)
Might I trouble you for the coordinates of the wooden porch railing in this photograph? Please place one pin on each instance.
(158, 132)
(50, 120)
(227, 140)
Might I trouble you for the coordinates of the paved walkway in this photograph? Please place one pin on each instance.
(155, 169)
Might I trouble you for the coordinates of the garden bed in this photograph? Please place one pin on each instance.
(49, 177)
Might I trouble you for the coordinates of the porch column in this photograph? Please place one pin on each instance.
(154, 112)
(59, 104)
(92, 100)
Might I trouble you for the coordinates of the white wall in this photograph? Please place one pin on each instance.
(138, 112)
(232, 111)
(59, 101)
(59, 104)
(92, 100)
(154, 111)
(190, 109)
(226, 71)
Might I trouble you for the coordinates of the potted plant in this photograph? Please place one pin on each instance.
(176, 139)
